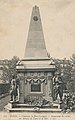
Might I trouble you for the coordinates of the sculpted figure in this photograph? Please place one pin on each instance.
(13, 90)
(58, 87)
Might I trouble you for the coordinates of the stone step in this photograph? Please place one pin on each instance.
(19, 105)
(35, 109)
(26, 108)
(31, 106)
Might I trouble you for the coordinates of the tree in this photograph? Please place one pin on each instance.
(9, 68)
(12, 66)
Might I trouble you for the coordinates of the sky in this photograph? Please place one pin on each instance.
(58, 21)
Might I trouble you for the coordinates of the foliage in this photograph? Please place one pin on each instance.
(9, 68)
(67, 70)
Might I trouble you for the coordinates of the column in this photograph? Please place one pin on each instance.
(49, 87)
(21, 91)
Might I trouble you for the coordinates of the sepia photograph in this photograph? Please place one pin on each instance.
(37, 59)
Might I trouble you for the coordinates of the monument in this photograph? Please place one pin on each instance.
(35, 71)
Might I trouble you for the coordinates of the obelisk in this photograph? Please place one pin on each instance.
(35, 47)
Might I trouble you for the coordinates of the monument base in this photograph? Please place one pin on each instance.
(16, 107)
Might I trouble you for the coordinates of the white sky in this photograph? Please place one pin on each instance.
(58, 21)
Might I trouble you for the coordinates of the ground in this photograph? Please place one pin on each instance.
(4, 101)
